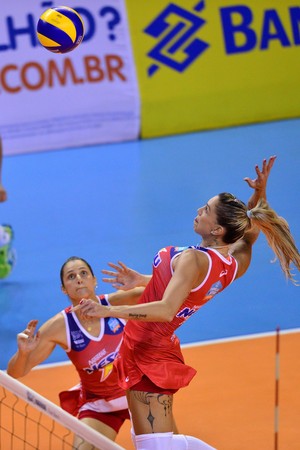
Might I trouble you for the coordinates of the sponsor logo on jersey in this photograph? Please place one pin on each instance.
(104, 366)
(77, 338)
(223, 273)
(185, 313)
(213, 290)
(114, 325)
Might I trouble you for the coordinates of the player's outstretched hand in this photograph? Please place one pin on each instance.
(122, 277)
(259, 183)
(28, 339)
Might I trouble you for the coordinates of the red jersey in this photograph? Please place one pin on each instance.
(93, 359)
(152, 348)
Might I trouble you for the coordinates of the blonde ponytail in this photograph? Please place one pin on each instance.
(279, 237)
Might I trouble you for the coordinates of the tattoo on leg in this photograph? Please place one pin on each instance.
(150, 418)
(145, 397)
(166, 402)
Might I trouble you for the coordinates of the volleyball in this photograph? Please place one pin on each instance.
(60, 29)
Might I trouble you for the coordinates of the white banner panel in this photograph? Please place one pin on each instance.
(87, 96)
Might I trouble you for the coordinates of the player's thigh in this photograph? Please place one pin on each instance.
(101, 427)
(151, 413)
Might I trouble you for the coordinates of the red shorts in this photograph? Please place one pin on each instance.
(113, 419)
(146, 385)
(161, 363)
(69, 401)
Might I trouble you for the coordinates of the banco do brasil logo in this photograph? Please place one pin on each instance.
(177, 32)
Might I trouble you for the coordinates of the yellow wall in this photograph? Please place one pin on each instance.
(246, 67)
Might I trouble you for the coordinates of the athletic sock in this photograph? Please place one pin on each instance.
(133, 437)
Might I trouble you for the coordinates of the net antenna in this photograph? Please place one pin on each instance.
(29, 420)
(277, 373)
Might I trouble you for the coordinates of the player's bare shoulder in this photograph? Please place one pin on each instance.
(55, 330)
(192, 257)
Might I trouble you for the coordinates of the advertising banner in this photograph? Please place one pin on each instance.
(215, 63)
(87, 96)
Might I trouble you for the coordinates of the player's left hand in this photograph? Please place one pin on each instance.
(259, 183)
(123, 277)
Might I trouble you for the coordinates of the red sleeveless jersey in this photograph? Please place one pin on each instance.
(152, 348)
(93, 357)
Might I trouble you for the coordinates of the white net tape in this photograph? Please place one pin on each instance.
(30, 421)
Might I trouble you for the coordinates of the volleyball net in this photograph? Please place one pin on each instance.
(30, 421)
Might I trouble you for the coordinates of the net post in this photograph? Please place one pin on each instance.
(277, 370)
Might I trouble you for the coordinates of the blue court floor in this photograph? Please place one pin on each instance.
(125, 201)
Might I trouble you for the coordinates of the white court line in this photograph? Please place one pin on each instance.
(196, 344)
(240, 338)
